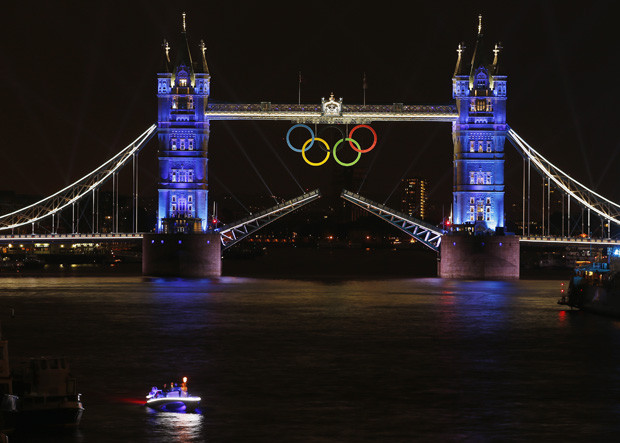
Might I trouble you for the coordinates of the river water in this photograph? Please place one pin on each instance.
(327, 360)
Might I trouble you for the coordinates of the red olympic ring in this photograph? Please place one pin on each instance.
(363, 151)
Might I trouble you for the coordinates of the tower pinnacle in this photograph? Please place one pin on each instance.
(184, 27)
(167, 50)
(479, 24)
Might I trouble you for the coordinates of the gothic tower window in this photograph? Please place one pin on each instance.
(173, 144)
(471, 146)
(183, 78)
(489, 146)
(481, 105)
(182, 143)
(479, 211)
(480, 146)
(182, 205)
(482, 81)
(190, 102)
(190, 144)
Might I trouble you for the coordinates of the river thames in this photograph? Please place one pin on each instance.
(322, 359)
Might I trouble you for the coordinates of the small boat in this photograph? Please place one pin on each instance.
(177, 399)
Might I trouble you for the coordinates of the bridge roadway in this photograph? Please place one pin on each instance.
(313, 113)
(573, 241)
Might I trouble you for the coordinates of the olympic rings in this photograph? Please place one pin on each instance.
(303, 152)
(326, 148)
(359, 152)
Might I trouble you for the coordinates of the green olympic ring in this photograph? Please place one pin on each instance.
(359, 152)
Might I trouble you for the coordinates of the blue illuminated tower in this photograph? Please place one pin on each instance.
(478, 135)
(182, 95)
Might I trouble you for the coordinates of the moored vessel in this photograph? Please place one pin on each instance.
(595, 286)
(45, 394)
(40, 392)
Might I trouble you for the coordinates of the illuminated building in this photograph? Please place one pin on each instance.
(413, 201)
(478, 135)
(182, 95)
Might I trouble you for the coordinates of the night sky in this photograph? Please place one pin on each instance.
(79, 83)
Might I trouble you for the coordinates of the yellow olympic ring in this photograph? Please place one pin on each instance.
(303, 151)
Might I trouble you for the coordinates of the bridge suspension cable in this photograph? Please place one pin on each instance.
(75, 191)
(582, 194)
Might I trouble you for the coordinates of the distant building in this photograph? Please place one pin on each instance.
(413, 200)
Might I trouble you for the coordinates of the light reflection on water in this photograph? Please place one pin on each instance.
(334, 360)
(175, 427)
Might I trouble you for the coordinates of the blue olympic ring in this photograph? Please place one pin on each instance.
(288, 137)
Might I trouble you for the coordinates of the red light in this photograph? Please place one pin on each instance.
(132, 401)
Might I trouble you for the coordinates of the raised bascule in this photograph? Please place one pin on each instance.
(184, 243)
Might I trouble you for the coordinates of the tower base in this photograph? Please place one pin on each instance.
(182, 255)
(479, 257)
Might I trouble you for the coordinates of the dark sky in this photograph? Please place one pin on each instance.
(78, 83)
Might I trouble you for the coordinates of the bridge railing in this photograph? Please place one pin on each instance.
(586, 197)
(76, 190)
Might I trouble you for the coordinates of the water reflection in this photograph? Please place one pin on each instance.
(175, 427)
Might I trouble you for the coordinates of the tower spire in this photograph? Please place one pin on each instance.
(203, 49)
(479, 24)
(184, 27)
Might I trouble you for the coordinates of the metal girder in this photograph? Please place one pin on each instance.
(68, 237)
(575, 241)
(312, 113)
(235, 232)
(425, 233)
(583, 195)
(75, 191)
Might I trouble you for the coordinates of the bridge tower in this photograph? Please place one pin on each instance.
(478, 134)
(183, 245)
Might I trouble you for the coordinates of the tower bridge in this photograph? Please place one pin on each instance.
(184, 243)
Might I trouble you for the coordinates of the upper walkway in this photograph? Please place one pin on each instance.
(313, 113)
